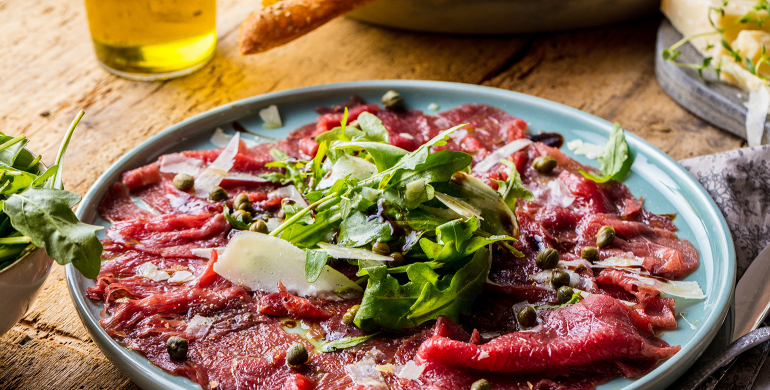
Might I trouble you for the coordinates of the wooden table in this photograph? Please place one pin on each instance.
(49, 72)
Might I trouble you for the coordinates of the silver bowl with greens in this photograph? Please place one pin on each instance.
(37, 226)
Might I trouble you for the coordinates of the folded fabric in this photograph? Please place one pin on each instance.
(739, 183)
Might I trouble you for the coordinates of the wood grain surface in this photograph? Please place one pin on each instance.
(49, 72)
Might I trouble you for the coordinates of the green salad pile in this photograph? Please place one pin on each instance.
(37, 211)
(416, 224)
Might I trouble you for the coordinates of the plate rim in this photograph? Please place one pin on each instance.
(139, 371)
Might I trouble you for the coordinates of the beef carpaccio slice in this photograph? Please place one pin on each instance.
(238, 338)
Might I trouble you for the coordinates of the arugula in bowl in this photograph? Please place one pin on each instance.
(37, 211)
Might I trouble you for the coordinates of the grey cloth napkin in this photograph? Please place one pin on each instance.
(739, 183)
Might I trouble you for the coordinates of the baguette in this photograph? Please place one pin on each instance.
(286, 20)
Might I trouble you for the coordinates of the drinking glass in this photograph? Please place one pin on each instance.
(152, 39)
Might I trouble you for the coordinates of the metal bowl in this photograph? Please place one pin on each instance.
(501, 16)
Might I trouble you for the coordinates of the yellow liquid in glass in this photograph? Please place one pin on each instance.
(151, 39)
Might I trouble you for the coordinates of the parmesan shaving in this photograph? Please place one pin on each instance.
(220, 139)
(348, 165)
(150, 271)
(364, 373)
(343, 252)
(181, 277)
(179, 163)
(410, 370)
(206, 252)
(259, 262)
(289, 192)
(217, 170)
(271, 117)
(677, 288)
(585, 149)
(759, 100)
(494, 158)
(459, 206)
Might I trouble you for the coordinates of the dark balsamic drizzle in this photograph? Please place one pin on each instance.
(554, 140)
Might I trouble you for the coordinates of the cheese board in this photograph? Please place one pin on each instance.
(708, 98)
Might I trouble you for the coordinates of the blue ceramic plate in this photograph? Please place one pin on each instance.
(665, 186)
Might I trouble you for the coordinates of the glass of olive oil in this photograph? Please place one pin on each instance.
(152, 39)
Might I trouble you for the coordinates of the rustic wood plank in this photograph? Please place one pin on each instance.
(610, 73)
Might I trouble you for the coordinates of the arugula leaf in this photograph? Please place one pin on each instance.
(345, 342)
(498, 218)
(457, 231)
(451, 295)
(13, 181)
(236, 223)
(418, 219)
(616, 160)
(308, 235)
(295, 171)
(10, 149)
(448, 251)
(425, 297)
(360, 202)
(45, 215)
(373, 127)
(356, 231)
(439, 166)
(411, 160)
(386, 302)
(575, 299)
(384, 155)
(43, 179)
(513, 188)
(315, 261)
(318, 172)
(291, 209)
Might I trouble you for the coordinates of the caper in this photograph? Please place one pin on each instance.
(564, 294)
(242, 215)
(559, 278)
(544, 164)
(177, 348)
(547, 258)
(527, 317)
(217, 193)
(297, 355)
(242, 202)
(381, 248)
(398, 259)
(183, 181)
(350, 315)
(589, 253)
(259, 226)
(605, 236)
(392, 100)
(481, 384)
